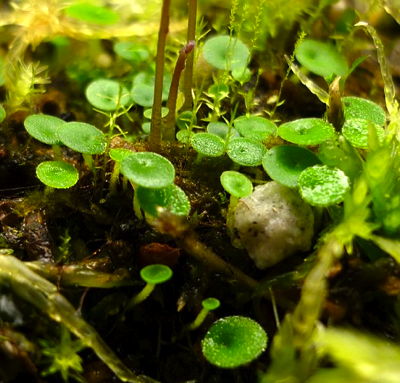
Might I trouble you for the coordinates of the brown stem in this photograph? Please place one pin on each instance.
(169, 121)
(156, 121)
(188, 74)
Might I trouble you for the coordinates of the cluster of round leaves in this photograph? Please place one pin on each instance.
(79, 136)
(152, 176)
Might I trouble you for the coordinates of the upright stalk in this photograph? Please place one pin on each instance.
(188, 74)
(156, 121)
(168, 132)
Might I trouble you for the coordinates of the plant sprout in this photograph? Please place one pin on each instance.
(57, 174)
(226, 52)
(209, 304)
(284, 163)
(171, 198)
(355, 130)
(233, 341)
(83, 138)
(107, 95)
(306, 131)
(186, 119)
(92, 14)
(245, 151)
(44, 128)
(321, 58)
(208, 145)
(149, 170)
(255, 127)
(153, 275)
(238, 186)
(322, 186)
(357, 107)
(117, 154)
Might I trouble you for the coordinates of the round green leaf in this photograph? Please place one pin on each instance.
(322, 186)
(321, 58)
(171, 198)
(208, 145)
(57, 174)
(44, 128)
(131, 52)
(211, 303)
(149, 170)
(355, 130)
(255, 127)
(284, 163)
(156, 274)
(221, 129)
(184, 136)
(236, 183)
(83, 138)
(306, 131)
(225, 52)
(91, 13)
(118, 154)
(148, 112)
(143, 95)
(356, 107)
(233, 341)
(245, 151)
(107, 95)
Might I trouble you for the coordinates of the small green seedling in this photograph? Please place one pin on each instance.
(148, 170)
(284, 163)
(356, 107)
(57, 174)
(321, 58)
(117, 154)
(2, 113)
(83, 138)
(107, 95)
(91, 13)
(44, 128)
(323, 186)
(171, 198)
(153, 275)
(255, 127)
(238, 186)
(209, 304)
(233, 341)
(186, 120)
(221, 129)
(208, 145)
(356, 131)
(226, 53)
(131, 52)
(306, 131)
(246, 151)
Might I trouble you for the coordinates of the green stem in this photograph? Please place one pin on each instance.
(114, 177)
(199, 319)
(141, 295)
(156, 121)
(88, 160)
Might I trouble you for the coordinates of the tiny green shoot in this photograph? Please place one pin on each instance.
(153, 275)
(208, 304)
